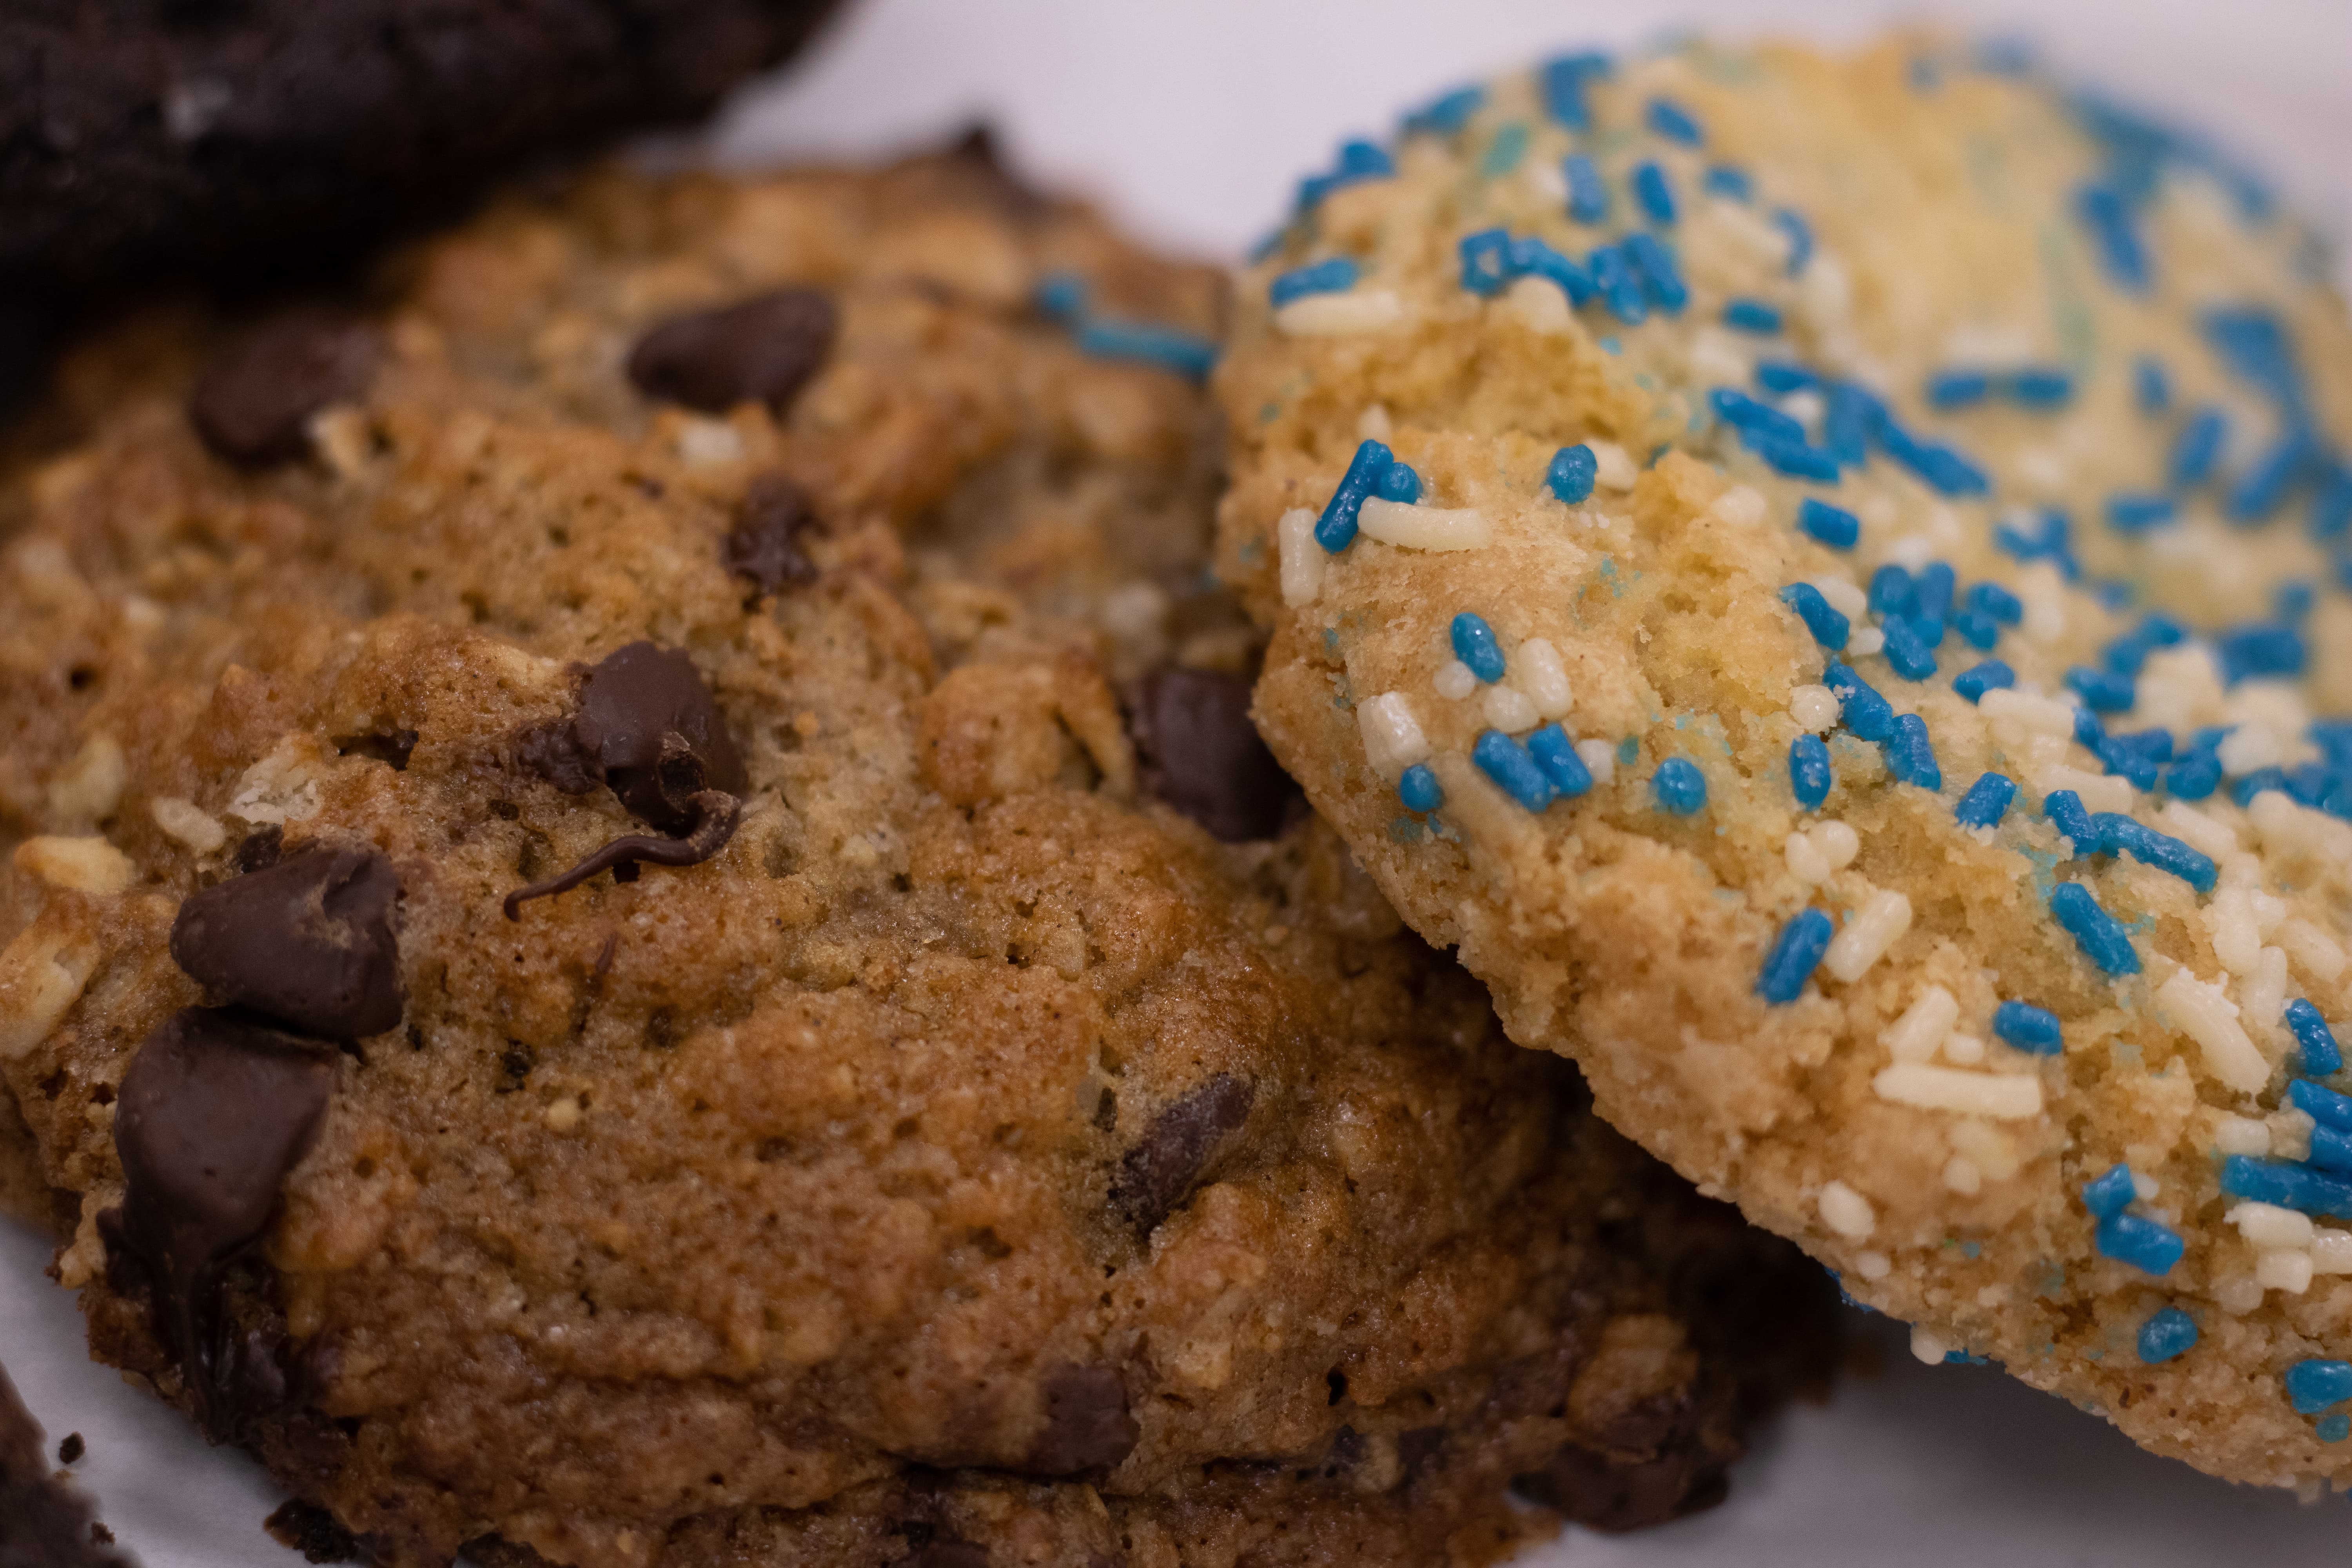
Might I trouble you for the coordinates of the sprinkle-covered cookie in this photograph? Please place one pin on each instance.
(655, 934)
(1823, 580)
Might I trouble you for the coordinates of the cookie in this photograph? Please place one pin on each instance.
(702, 830)
(44, 1522)
(278, 138)
(1703, 504)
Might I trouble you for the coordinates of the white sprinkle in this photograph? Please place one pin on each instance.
(1374, 423)
(1912, 550)
(1913, 1038)
(1845, 598)
(1418, 527)
(1303, 559)
(1741, 505)
(1847, 1212)
(2046, 469)
(1823, 292)
(2314, 951)
(189, 823)
(2144, 1187)
(2271, 1226)
(1806, 863)
(2261, 994)
(2249, 747)
(1964, 1050)
(2269, 910)
(2202, 1012)
(2099, 791)
(2044, 594)
(1961, 1176)
(1806, 407)
(2331, 1251)
(1862, 641)
(2287, 1271)
(2243, 871)
(1874, 1266)
(1536, 669)
(1928, 1345)
(1509, 709)
(2241, 1135)
(1454, 680)
(2037, 715)
(2198, 831)
(1544, 178)
(2004, 1097)
(1612, 469)
(1814, 708)
(2288, 827)
(1393, 740)
(2290, 1134)
(2230, 925)
(1599, 760)
(708, 443)
(1881, 921)
(1717, 357)
(1838, 843)
(2238, 1296)
(1342, 315)
(1540, 306)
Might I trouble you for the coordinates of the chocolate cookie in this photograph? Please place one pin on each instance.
(44, 1522)
(672, 945)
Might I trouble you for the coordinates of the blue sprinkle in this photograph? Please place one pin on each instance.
(1909, 755)
(1746, 315)
(1809, 770)
(2038, 388)
(1794, 458)
(1398, 482)
(1562, 83)
(1619, 288)
(1907, 651)
(1148, 342)
(2028, 1027)
(2259, 649)
(1979, 630)
(1528, 256)
(1486, 260)
(2322, 1104)
(1933, 584)
(1673, 121)
(2290, 1186)
(2331, 1151)
(1335, 529)
(2156, 742)
(1061, 296)
(2101, 692)
(2065, 810)
(1655, 264)
(2128, 653)
(2197, 448)
(1827, 625)
(2107, 216)
(1475, 644)
(2120, 759)
(1447, 114)
(2147, 1246)
(1869, 715)
(2331, 508)
(1779, 377)
(2151, 388)
(1795, 953)
(2262, 489)
(2196, 777)
(1506, 763)
(1952, 389)
(1833, 525)
(1333, 275)
(2053, 542)
(2095, 931)
(1736, 408)
(1572, 472)
(1846, 423)
(2128, 513)
(1800, 238)
(1986, 800)
(1678, 786)
(2317, 1040)
(1588, 193)
(1653, 193)
(1992, 599)
(2244, 790)
(2333, 1428)
(2120, 835)
(1992, 675)
(2294, 599)
(2316, 1385)
(1939, 466)
(1359, 161)
(1419, 789)
(1556, 754)
(2168, 1334)
(1722, 180)
(2110, 1193)
(1891, 592)
(1504, 152)
(2256, 345)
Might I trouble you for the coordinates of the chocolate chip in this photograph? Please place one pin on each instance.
(1197, 751)
(388, 746)
(946, 1554)
(1177, 1148)
(764, 544)
(258, 850)
(216, 1111)
(307, 941)
(253, 405)
(312, 1530)
(1598, 1492)
(1086, 1425)
(70, 1451)
(761, 349)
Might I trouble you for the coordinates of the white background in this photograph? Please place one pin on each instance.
(1192, 123)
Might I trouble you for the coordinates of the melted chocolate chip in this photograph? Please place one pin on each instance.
(308, 941)
(1178, 1147)
(1086, 1425)
(764, 544)
(216, 1111)
(1596, 1491)
(253, 405)
(763, 350)
(312, 1530)
(1197, 751)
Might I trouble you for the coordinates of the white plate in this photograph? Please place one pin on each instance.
(1192, 122)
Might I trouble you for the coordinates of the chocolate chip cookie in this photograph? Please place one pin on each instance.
(650, 925)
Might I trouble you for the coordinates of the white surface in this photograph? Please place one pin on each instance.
(1192, 122)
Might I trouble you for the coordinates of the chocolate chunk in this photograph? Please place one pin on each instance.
(1087, 1425)
(1596, 1491)
(1197, 751)
(946, 1554)
(259, 849)
(70, 1451)
(253, 405)
(43, 1522)
(764, 544)
(309, 941)
(312, 1530)
(1177, 1149)
(764, 349)
(216, 1111)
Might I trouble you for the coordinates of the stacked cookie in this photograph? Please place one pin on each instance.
(646, 926)
(1825, 581)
